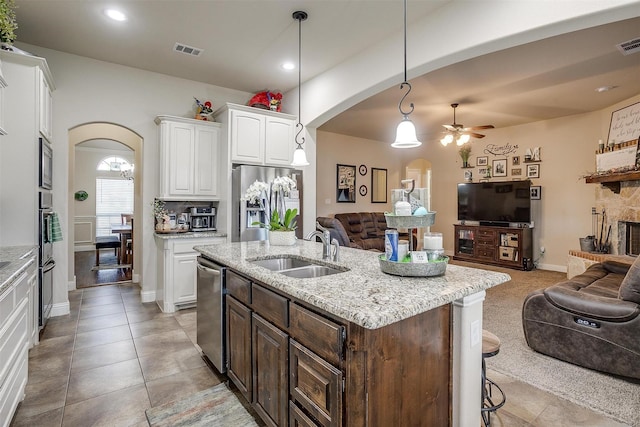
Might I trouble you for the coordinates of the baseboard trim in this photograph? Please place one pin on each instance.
(71, 286)
(60, 309)
(552, 267)
(83, 248)
(147, 296)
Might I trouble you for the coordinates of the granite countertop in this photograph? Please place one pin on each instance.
(19, 258)
(189, 235)
(363, 295)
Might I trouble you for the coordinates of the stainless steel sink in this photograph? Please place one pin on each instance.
(295, 267)
(3, 264)
(279, 264)
(310, 271)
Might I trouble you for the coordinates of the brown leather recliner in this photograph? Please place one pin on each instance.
(591, 320)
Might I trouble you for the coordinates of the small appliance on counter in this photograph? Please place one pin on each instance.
(203, 218)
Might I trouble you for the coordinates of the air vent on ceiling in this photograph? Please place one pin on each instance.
(629, 47)
(187, 50)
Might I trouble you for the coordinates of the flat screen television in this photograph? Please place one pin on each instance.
(495, 203)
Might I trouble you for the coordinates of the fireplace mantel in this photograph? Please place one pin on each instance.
(612, 180)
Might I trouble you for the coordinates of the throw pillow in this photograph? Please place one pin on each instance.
(630, 287)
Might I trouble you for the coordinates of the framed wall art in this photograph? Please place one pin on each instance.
(533, 171)
(515, 160)
(499, 167)
(535, 192)
(516, 171)
(378, 185)
(482, 161)
(346, 184)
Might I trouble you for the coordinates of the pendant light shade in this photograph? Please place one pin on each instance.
(299, 156)
(406, 135)
(406, 132)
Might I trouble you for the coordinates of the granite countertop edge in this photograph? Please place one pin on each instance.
(189, 235)
(363, 295)
(19, 257)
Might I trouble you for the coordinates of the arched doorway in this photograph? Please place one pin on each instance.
(127, 137)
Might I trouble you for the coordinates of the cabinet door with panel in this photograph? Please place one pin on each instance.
(238, 334)
(270, 375)
(279, 141)
(207, 149)
(181, 155)
(46, 106)
(247, 135)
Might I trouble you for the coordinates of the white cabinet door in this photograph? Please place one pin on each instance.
(181, 157)
(247, 137)
(33, 309)
(279, 141)
(184, 277)
(46, 106)
(207, 149)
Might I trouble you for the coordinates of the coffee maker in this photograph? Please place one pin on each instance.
(203, 219)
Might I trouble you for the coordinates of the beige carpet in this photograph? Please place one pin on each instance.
(603, 393)
(214, 407)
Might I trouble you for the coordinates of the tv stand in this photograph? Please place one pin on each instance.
(494, 223)
(494, 245)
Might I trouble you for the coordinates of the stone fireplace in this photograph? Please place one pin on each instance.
(623, 214)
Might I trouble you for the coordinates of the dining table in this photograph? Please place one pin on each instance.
(124, 232)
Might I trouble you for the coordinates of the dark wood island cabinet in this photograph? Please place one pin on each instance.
(299, 366)
(358, 348)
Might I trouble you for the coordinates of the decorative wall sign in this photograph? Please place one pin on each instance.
(500, 150)
(500, 167)
(625, 124)
(362, 170)
(363, 190)
(346, 184)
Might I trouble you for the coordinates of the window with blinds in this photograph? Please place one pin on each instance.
(113, 197)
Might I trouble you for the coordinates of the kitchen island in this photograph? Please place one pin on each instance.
(411, 350)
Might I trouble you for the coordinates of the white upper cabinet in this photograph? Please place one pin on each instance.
(46, 107)
(189, 158)
(256, 136)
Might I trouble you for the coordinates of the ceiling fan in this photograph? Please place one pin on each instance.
(459, 133)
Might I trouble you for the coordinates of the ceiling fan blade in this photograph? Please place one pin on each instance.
(476, 135)
(450, 127)
(481, 127)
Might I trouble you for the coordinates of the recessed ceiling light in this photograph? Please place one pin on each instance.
(116, 15)
(605, 88)
(289, 66)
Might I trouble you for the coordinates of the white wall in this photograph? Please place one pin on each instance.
(87, 91)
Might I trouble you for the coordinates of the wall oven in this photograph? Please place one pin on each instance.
(45, 175)
(45, 258)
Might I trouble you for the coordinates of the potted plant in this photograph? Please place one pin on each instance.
(161, 215)
(282, 231)
(465, 152)
(8, 23)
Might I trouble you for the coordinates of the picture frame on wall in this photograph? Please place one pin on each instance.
(345, 183)
(499, 167)
(535, 192)
(516, 171)
(533, 171)
(482, 161)
(515, 161)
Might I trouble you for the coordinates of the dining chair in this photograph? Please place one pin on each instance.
(126, 218)
(129, 247)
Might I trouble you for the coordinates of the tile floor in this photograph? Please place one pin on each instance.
(113, 357)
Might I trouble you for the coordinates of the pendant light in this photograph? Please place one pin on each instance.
(406, 132)
(299, 156)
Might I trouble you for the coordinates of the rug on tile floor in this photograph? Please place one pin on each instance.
(215, 407)
(611, 396)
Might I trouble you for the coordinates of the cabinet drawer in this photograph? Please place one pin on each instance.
(270, 305)
(486, 253)
(13, 339)
(318, 333)
(315, 385)
(6, 305)
(239, 287)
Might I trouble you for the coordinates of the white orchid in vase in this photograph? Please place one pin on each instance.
(278, 217)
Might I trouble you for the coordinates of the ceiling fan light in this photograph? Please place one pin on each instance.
(299, 157)
(448, 139)
(463, 139)
(406, 135)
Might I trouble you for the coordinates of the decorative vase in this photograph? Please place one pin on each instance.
(282, 238)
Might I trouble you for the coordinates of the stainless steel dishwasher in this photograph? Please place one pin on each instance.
(210, 312)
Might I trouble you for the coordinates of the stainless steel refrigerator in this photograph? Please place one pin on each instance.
(244, 215)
